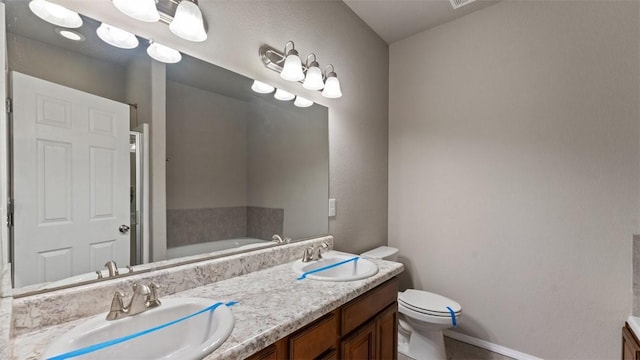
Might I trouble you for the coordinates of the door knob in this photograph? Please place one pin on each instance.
(124, 229)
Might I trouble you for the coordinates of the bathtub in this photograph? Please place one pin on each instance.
(229, 245)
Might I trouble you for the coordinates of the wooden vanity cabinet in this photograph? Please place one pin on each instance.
(630, 344)
(365, 328)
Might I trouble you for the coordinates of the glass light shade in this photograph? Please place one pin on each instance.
(313, 81)
(283, 95)
(262, 88)
(117, 37)
(163, 53)
(187, 23)
(332, 88)
(292, 69)
(143, 10)
(302, 102)
(55, 14)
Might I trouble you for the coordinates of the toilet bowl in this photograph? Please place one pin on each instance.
(422, 316)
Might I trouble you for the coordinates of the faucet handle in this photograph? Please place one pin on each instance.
(117, 308)
(153, 297)
(307, 255)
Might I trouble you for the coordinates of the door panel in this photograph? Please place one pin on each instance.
(71, 181)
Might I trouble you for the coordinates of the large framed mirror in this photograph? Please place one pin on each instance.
(97, 130)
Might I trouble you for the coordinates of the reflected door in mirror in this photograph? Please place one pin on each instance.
(71, 181)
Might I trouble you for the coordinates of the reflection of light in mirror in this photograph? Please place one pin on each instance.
(143, 10)
(117, 37)
(55, 14)
(187, 23)
(262, 88)
(283, 95)
(71, 35)
(302, 102)
(163, 53)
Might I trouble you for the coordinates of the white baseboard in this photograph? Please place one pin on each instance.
(489, 346)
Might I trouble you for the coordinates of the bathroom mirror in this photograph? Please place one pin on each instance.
(240, 166)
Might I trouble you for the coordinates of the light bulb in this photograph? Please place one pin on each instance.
(302, 102)
(292, 69)
(143, 10)
(313, 80)
(187, 23)
(332, 87)
(55, 14)
(163, 53)
(283, 95)
(262, 88)
(117, 37)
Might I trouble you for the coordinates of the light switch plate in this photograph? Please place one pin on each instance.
(332, 207)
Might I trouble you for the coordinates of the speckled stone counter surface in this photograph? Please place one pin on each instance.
(52, 308)
(272, 304)
(5, 328)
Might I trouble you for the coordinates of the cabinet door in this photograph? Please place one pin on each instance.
(315, 340)
(387, 334)
(360, 345)
(630, 346)
(265, 354)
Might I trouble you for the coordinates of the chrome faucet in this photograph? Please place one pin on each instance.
(144, 297)
(317, 254)
(112, 268)
(307, 255)
(280, 240)
(139, 299)
(314, 253)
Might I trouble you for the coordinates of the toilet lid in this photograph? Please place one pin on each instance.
(428, 303)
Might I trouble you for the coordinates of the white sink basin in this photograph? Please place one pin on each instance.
(190, 339)
(348, 271)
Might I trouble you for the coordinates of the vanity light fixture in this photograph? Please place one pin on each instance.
(283, 95)
(331, 85)
(302, 102)
(143, 10)
(279, 62)
(68, 34)
(261, 88)
(292, 68)
(55, 14)
(313, 79)
(187, 22)
(117, 37)
(163, 53)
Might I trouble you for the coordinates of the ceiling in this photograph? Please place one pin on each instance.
(395, 20)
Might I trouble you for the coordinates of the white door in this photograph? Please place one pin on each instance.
(71, 181)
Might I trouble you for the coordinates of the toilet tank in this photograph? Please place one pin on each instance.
(382, 252)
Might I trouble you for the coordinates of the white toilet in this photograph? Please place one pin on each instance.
(423, 316)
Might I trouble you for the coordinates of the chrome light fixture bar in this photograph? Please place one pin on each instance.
(313, 78)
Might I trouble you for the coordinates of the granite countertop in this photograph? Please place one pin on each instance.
(272, 304)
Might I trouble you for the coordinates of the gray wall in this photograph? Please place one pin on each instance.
(288, 163)
(514, 170)
(67, 68)
(206, 147)
(358, 126)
